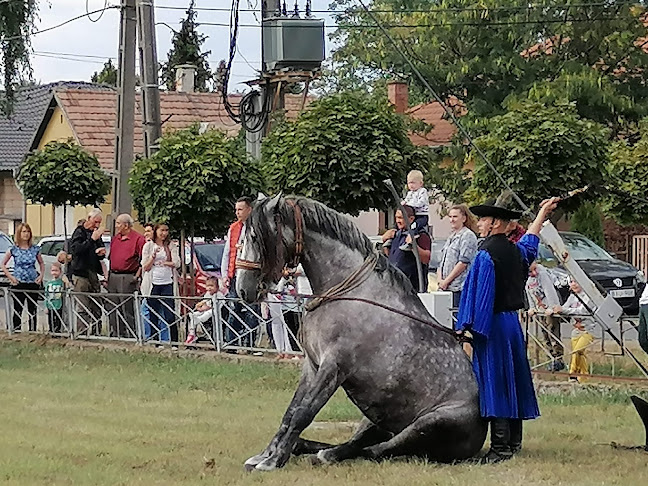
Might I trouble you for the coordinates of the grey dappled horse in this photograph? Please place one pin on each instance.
(411, 380)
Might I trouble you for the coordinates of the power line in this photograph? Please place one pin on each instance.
(484, 24)
(430, 10)
(47, 29)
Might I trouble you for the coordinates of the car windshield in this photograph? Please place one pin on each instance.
(209, 256)
(580, 248)
(5, 243)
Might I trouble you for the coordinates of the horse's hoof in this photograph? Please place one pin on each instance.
(265, 466)
(249, 467)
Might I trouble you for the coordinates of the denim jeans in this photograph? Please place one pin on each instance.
(161, 310)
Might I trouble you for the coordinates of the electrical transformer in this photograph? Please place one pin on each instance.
(293, 43)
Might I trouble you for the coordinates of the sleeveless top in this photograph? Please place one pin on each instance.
(25, 263)
(510, 273)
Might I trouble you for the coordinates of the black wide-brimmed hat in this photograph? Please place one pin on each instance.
(497, 209)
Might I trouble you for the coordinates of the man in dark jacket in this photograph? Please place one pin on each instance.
(87, 251)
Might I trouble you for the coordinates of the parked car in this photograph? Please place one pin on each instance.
(207, 264)
(5, 244)
(52, 245)
(620, 279)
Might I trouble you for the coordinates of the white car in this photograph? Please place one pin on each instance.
(51, 246)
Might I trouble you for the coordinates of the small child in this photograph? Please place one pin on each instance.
(578, 304)
(418, 198)
(202, 310)
(54, 297)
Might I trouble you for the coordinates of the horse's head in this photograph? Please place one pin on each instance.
(268, 245)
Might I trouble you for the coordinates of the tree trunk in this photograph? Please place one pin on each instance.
(182, 261)
(192, 267)
(65, 232)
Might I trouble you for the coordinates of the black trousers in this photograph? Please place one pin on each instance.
(292, 321)
(19, 299)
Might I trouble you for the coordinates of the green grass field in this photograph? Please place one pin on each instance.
(93, 416)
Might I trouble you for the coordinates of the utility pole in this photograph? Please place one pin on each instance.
(151, 117)
(125, 128)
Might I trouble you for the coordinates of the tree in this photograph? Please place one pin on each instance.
(193, 181)
(588, 220)
(63, 174)
(108, 75)
(16, 25)
(186, 49)
(484, 53)
(628, 185)
(540, 151)
(340, 150)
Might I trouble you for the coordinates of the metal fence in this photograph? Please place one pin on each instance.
(220, 323)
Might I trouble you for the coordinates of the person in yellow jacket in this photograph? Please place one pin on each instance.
(578, 305)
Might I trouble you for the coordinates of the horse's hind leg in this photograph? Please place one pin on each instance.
(444, 435)
(319, 391)
(365, 435)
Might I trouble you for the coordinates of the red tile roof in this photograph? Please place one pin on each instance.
(92, 115)
(433, 114)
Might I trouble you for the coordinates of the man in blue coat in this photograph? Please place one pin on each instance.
(492, 296)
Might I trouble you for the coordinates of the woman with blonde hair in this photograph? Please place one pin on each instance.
(458, 252)
(25, 277)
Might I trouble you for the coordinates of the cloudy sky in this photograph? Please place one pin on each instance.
(76, 50)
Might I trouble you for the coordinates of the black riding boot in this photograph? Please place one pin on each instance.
(500, 449)
(515, 426)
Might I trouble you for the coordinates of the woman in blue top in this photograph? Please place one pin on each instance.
(25, 277)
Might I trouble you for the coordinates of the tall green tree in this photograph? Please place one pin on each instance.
(16, 24)
(588, 220)
(186, 48)
(627, 198)
(540, 151)
(108, 75)
(63, 174)
(193, 181)
(340, 150)
(483, 53)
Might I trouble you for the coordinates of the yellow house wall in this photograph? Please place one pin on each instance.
(41, 218)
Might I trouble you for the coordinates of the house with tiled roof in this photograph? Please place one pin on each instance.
(88, 117)
(16, 134)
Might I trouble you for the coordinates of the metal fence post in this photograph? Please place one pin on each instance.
(218, 324)
(8, 309)
(138, 318)
(70, 314)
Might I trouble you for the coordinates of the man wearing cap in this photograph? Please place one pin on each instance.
(492, 295)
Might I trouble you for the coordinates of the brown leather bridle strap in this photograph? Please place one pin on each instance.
(299, 231)
(247, 265)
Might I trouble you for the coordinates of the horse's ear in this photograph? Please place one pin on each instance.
(261, 196)
(273, 205)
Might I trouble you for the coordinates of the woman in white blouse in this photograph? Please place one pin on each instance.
(160, 259)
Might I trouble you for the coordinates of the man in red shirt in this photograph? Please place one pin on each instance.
(125, 270)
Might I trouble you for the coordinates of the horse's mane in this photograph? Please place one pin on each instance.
(326, 221)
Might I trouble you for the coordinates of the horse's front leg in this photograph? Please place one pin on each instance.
(307, 376)
(319, 391)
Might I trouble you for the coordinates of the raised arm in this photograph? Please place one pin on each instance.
(546, 207)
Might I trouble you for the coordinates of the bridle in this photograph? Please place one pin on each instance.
(299, 241)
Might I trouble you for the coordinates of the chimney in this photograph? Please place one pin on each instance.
(185, 78)
(398, 95)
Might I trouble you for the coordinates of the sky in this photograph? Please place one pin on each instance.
(76, 50)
